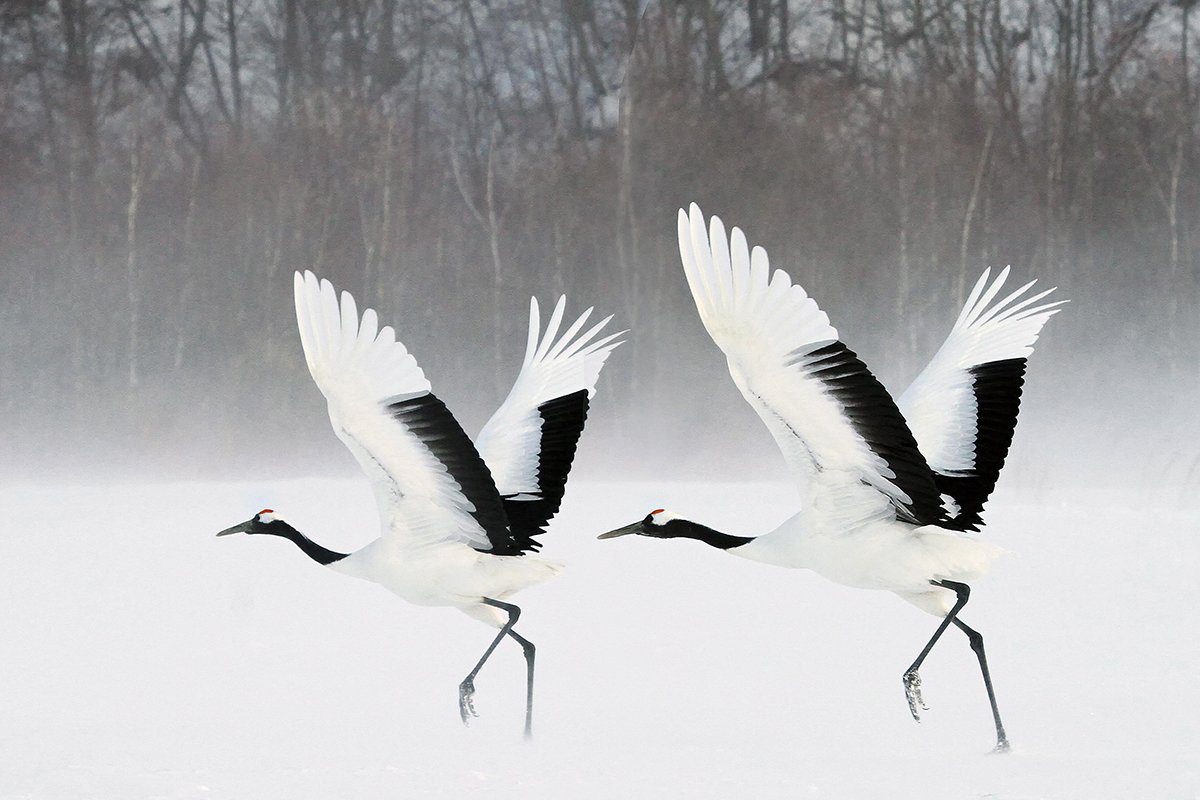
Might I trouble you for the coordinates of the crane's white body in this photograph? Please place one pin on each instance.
(446, 574)
(878, 554)
(431, 546)
(857, 525)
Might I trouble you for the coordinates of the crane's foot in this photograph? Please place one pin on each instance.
(912, 690)
(466, 701)
(1002, 746)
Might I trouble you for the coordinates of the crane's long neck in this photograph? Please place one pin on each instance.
(686, 529)
(319, 554)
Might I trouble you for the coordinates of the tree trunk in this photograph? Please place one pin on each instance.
(131, 261)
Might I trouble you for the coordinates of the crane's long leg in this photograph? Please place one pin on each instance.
(466, 689)
(977, 645)
(529, 650)
(912, 681)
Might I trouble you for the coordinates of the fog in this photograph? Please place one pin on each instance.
(165, 167)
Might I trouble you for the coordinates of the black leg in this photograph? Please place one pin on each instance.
(977, 645)
(466, 689)
(529, 650)
(912, 681)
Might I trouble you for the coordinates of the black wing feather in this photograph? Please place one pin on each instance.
(997, 389)
(874, 416)
(427, 418)
(529, 512)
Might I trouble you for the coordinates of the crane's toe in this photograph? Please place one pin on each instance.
(912, 690)
(466, 701)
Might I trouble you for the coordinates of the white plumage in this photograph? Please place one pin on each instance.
(554, 366)
(939, 405)
(457, 520)
(885, 490)
(361, 370)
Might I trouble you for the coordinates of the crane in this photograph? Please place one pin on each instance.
(888, 488)
(458, 520)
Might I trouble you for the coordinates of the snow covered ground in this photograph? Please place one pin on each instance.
(140, 657)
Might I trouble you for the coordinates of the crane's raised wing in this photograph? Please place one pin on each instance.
(962, 408)
(529, 442)
(430, 483)
(837, 426)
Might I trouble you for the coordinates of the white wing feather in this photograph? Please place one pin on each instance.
(766, 328)
(555, 365)
(361, 369)
(940, 404)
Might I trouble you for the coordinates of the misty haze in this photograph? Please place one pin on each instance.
(166, 167)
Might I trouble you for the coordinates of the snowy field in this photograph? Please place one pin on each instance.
(140, 657)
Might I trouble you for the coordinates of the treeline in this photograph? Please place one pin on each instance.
(164, 166)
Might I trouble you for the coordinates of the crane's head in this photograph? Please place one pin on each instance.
(661, 524)
(264, 521)
(656, 524)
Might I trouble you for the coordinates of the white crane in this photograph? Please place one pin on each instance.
(887, 488)
(458, 520)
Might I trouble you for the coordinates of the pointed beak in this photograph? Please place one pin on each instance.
(628, 529)
(239, 528)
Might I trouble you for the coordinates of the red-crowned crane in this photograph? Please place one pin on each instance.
(458, 520)
(887, 488)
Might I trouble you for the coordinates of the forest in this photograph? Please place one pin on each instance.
(165, 166)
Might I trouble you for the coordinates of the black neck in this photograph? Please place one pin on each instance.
(316, 552)
(686, 529)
